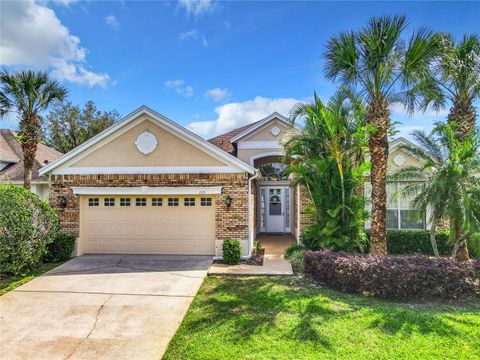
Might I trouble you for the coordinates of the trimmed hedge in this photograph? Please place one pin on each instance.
(60, 249)
(394, 277)
(415, 242)
(231, 251)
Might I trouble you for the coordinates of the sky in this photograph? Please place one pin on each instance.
(211, 66)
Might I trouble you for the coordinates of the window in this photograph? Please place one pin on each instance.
(157, 201)
(206, 201)
(189, 201)
(287, 207)
(274, 171)
(109, 202)
(172, 201)
(141, 201)
(93, 202)
(124, 201)
(400, 215)
(275, 202)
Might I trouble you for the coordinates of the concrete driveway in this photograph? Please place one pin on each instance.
(101, 307)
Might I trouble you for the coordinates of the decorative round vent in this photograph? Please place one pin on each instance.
(275, 131)
(146, 142)
(399, 160)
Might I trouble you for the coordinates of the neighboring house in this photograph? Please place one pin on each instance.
(11, 163)
(147, 185)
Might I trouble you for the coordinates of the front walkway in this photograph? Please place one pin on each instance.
(274, 263)
(100, 307)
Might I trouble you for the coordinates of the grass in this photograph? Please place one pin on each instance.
(8, 283)
(289, 318)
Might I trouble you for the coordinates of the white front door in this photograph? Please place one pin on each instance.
(275, 209)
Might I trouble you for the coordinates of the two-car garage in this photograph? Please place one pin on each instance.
(148, 224)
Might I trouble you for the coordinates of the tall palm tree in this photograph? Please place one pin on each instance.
(27, 94)
(457, 71)
(327, 157)
(447, 181)
(376, 61)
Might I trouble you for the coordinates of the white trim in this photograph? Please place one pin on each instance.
(265, 154)
(274, 115)
(259, 145)
(149, 170)
(170, 125)
(148, 190)
(251, 200)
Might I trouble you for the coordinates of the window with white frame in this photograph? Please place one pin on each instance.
(206, 201)
(400, 214)
(93, 202)
(141, 202)
(189, 201)
(172, 201)
(109, 202)
(124, 201)
(157, 201)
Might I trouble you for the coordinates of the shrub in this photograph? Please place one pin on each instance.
(294, 254)
(315, 238)
(394, 277)
(231, 251)
(310, 238)
(27, 226)
(60, 249)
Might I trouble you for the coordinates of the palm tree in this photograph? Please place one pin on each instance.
(458, 80)
(28, 93)
(447, 181)
(327, 157)
(376, 61)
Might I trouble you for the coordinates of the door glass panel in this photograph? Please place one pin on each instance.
(287, 208)
(275, 202)
(262, 208)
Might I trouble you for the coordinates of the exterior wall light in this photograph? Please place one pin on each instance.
(62, 201)
(228, 200)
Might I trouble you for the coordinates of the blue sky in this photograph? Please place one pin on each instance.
(208, 65)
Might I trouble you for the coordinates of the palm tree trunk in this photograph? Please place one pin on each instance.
(433, 240)
(29, 136)
(463, 113)
(460, 250)
(378, 116)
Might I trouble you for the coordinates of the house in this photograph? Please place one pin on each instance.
(146, 185)
(11, 163)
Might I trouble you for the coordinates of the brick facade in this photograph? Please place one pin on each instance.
(230, 222)
(305, 201)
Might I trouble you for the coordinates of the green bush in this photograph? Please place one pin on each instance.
(294, 254)
(60, 249)
(310, 238)
(27, 226)
(315, 238)
(231, 251)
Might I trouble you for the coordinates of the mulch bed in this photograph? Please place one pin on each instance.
(256, 259)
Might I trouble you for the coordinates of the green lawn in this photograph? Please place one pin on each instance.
(8, 283)
(288, 318)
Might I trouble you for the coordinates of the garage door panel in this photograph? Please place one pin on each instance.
(148, 229)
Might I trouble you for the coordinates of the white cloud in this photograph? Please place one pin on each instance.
(112, 21)
(32, 35)
(194, 35)
(217, 94)
(198, 8)
(64, 2)
(399, 109)
(233, 115)
(180, 87)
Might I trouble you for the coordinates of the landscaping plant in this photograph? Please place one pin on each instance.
(231, 251)
(447, 181)
(327, 158)
(27, 225)
(385, 68)
(60, 249)
(27, 94)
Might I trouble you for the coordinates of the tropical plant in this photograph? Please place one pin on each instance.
(27, 94)
(327, 158)
(448, 181)
(385, 69)
(457, 78)
(69, 126)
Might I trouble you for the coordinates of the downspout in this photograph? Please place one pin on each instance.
(250, 220)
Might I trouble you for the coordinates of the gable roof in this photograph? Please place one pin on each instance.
(170, 125)
(224, 142)
(259, 124)
(11, 152)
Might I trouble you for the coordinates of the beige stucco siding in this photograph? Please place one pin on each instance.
(170, 151)
(246, 154)
(409, 160)
(265, 132)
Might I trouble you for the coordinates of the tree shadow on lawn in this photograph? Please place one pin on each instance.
(249, 307)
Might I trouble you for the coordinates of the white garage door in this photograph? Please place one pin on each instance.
(137, 224)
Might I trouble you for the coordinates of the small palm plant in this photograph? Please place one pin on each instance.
(447, 182)
(27, 94)
(327, 158)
